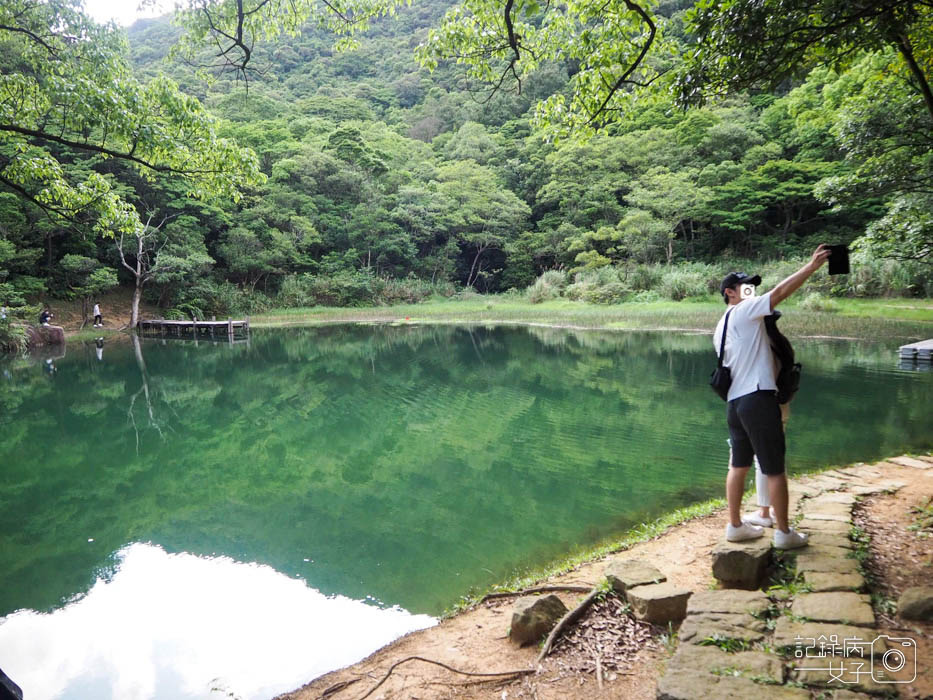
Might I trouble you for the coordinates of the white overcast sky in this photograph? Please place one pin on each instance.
(124, 12)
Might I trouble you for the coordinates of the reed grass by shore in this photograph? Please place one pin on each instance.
(858, 318)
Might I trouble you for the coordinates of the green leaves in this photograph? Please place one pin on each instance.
(71, 88)
(608, 42)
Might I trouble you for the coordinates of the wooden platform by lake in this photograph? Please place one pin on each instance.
(922, 351)
(218, 330)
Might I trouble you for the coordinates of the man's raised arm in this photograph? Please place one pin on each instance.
(791, 284)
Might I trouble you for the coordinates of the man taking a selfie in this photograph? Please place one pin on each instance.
(753, 414)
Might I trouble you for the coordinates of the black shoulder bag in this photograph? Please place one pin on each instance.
(788, 376)
(721, 378)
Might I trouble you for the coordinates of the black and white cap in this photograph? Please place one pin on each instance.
(734, 278)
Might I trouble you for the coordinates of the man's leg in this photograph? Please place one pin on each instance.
(777, 490)
(735, 487)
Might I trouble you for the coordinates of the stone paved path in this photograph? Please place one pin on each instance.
(814, 637)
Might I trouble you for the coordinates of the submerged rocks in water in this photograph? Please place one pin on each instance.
(534, 617)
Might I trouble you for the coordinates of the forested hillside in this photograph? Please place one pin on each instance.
(385, 181)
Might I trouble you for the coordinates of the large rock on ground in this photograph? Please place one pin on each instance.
(843, 607)
(659, 603)
(916, 603)
(742, 564)
(534, 617)
(38, 336)
(728, 601)
(628, 573)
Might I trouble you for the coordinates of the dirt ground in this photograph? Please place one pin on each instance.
(899, 559)
(632, 655)
(115, 310)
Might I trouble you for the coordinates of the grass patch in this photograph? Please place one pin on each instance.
(727, 644)
(869, 319)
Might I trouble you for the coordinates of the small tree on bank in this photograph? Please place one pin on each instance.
(155, 254)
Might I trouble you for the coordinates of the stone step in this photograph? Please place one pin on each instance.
(712, 659)
(728, 601)
(844, 608)
(700, 627)
(831, 613)
(628, 573)
(912, 462)
(693, 685)
(824, 582)
(659, 603)
(742, 564)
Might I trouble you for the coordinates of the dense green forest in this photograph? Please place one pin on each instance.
(317, 176)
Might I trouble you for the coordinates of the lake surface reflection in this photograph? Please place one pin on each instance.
(169, 511)
(181, 626)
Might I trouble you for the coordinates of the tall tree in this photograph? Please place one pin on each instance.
(67, 92)
(163, 250)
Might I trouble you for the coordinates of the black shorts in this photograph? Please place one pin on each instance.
(756, 430)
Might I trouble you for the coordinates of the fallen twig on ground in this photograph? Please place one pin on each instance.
(520, 672)
(538, 589)
(337, 687)
(566, 621)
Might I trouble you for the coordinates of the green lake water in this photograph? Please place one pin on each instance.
(179, 517)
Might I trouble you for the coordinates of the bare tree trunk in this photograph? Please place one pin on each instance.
(479, 251)
(137, 295)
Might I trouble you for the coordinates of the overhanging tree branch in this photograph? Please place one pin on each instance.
(84, 146)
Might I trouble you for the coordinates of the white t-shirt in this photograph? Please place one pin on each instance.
(748, 350)
(96, 309)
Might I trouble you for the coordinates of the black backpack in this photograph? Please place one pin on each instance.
(788, 376)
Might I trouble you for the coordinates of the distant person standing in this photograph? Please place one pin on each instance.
(98, 320)
(45, 316)
(753, 414)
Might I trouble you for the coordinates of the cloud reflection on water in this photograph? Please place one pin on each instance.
(176, 625)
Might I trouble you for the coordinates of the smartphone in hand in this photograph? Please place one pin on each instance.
(838, 260)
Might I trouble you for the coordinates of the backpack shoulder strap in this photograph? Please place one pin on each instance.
(722, 343)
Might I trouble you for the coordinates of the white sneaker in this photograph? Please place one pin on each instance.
(758, 519)
(790, 539)
(743, 532)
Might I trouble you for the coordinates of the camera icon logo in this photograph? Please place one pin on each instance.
(899, 657)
